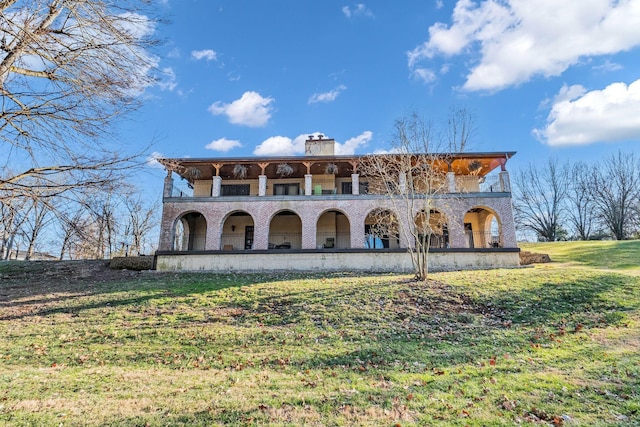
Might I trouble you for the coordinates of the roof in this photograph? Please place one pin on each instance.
(205, 168)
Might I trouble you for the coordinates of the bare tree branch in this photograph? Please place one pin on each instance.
(68, 69)
(411, 178)
(539, 197)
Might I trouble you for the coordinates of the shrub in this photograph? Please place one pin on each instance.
(137, 263)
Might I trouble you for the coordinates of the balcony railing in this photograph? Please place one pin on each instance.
(333, 240)
(439, 241)
(483, 239)
(290, 240)
(324, 187)
(177, 192)
(491, 185)
(234, 243)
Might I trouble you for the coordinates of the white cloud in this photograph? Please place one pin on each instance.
(168, 79)
(350, 145)
(152, 160)
(424, 74)
(578, 117)
(281, 146)
(326, 96)
(223, 144)
(358, 10)
(207, 54)
(174, 53)
(439, 4)
(521, 39)
(607, 66)
(250, 110)
(285, 146)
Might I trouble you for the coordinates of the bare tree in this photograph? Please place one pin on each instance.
(72, 220)
(39, 216)
(411, 177)
(461, 126)
(13, 213)
(68, 68)
(616, 193)
(539, 197)
(580, 201)
(140, 221)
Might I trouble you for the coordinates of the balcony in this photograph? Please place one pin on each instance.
(318, 186)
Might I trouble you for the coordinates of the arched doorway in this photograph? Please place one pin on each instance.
(381, 230)
(285, 231)
(190, 232)
(237, 232)
(333, 231)
(482, 228)
(431, 229)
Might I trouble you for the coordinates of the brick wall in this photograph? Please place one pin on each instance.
(310, 208)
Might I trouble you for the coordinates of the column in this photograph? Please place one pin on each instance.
(505, 184)
(168, 185)
(308, 184)
(217, 186)
(262, 185)
(451, 182)
(355, 184)
(402, 183)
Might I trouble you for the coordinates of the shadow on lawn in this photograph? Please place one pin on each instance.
(37, 288)
(594, 294)
(421, 328)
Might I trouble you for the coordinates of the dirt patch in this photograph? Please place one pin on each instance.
(26, 279)
(527, 258)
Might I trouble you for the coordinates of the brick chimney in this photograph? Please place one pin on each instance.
(319, 146)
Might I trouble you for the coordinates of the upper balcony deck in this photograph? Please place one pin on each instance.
(334, 176)
(323, 187)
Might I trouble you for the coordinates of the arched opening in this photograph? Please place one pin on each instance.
(482, 228)
(285, 231)
(237, 232)
(381, 230)
(431, 229)
(190, 232)
(333, 231)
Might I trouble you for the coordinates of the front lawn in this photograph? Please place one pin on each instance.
(556, 344)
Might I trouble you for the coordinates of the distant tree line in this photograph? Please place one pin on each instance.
(578, 200)
(81, 224)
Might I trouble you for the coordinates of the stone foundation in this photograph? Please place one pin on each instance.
(369, 261)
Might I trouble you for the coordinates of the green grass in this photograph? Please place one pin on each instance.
(618, 255)
(554, 344)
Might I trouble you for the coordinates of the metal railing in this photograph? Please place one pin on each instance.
(483, 239)
(491, 185)
(285, 240)
(438, 241)
(232, 242)
(333, 240)
(177, 192)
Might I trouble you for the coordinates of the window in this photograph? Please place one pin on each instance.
(235, 190)
(347, 188)
(286, 189)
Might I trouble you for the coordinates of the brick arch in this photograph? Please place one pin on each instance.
(193, 234)
(283, 233)
(279, 211)
(481, 235)
(434, 226)
(233, 232)
(332, 234)
(374, 238)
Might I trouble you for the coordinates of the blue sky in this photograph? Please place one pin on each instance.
(543, 78)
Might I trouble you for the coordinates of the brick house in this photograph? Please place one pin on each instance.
(315, 212)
